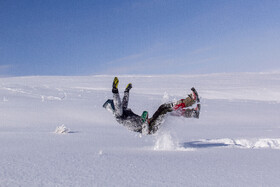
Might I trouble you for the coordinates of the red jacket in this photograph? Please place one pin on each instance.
(180, 108)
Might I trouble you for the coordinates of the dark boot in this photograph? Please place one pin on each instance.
(128, 87)
(195, 94)
(115, 85)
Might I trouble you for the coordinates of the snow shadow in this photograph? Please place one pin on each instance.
(72, 132)
(266, 143)
(201, 144)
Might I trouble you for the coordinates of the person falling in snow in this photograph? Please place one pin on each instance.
(143, 124)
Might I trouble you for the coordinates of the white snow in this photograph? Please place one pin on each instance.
(62, 129)
(235, 142)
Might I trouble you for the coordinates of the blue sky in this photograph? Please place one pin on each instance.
(68, 37)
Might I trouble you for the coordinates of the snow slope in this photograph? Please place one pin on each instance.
(54, 132)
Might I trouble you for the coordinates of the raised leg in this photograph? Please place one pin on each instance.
(125, 100)
(116, 98)
(117, 104)
(154, 121)
(126, 96)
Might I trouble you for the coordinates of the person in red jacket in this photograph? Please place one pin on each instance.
(179, 108)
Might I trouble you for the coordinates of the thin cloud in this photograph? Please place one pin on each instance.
(125, 59)
(201, 50)
(143, 65)
(139, 62)
(206, 60)
(159, 59)
(4, 69)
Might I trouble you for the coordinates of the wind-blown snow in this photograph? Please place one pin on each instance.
(235, 142)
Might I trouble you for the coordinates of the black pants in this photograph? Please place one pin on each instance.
(157, 118)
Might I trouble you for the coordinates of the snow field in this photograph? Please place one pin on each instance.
(234, 143)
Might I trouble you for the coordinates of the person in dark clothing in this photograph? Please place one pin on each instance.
(124, 115)
(143, 124)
